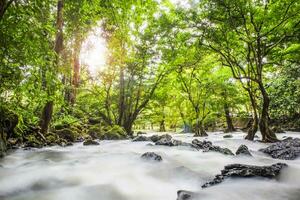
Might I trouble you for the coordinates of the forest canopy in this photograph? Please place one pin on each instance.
(190, 65)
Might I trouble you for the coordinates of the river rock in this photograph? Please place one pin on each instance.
(90, 142)
(156, 138)
(243, 171)
(219, 149)
(2, 147)
(185, 195)
(141, 138)
(227, 136)
(208, 146)
(277, 129)
(202, 144)
(287, 149)
(141, 133)
(243, 150)
(151, 156)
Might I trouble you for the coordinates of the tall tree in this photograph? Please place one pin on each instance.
(58, 48)
(245, 34)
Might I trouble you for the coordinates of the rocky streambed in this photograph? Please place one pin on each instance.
(173, 168)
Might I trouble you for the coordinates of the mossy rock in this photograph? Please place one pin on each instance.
(95, 132)
(115, 133)
(2, 148)
(94, 121)
(90, 142)
(52, 138)
(67, 134)
(8, 121)
(32, 141)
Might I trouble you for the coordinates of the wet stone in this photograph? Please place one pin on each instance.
(185, 195)
(246, 171)
(90, 142)
(141, 138)
(243, 150)
(151, 156)
(207, 146)
(227, 136)
(287, 149)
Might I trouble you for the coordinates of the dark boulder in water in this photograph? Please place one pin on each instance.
(141, 133)
(90, 142)
(243, 150)
(245, 171)
(227, 136)
(141, 138)
(185, 195)
(208, 146)
(167, 140)
(154, 138)
(151, 156)
(287, 149)
(202, 144)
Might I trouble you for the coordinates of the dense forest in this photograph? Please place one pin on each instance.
(92, 70)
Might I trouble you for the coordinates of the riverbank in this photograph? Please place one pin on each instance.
(114, 170)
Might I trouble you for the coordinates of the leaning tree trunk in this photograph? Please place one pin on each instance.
(254, 127)
(230, 127)
(267, 134)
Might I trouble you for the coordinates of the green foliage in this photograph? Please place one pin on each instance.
(166, 64)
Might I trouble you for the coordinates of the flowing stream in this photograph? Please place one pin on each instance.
(114, 171)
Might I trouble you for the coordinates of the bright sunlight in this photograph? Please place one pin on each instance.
(94, 52)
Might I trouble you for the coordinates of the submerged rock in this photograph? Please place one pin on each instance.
(219, 149)
(141, 138)
(154, 138)
(151, 156)
(227, 136)
(208, 146)
(167, 142)
(277, 129)
(243, 150)
(90, 142)
(202, 144)
(240, 170)
(287, 149)
(185, 195)
(141, 133)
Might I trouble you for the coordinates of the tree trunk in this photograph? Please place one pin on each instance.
(121, 96)
(162, 126)
(199, 130)
(254, 127)
(4, 4)
(267, 134)
(76, 68)
(128, 127)
(48, 108)
(230, 127)
(46, 117)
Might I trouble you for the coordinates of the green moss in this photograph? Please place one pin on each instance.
(115, 133)
(67, 134)
(32, 141)
(95, 132)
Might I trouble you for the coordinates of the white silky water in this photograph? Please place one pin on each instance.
(114, 171)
